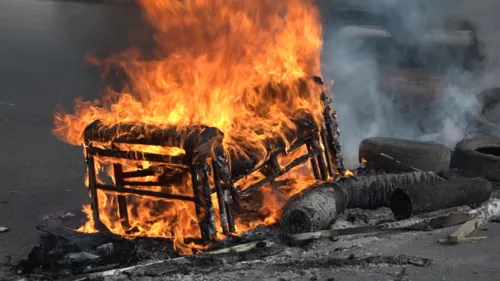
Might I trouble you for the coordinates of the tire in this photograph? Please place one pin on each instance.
(479, 157)
(425, 156)
(484, 121)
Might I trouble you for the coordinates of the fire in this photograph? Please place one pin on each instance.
(215, 65)
(348, 173)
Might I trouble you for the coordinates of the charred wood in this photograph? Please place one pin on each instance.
(194, 138)
(245, 162)
(143, 192)
(433, 220)
(332, 134)
(427, 197)
(372, 192)
(175, 161)
(314, 209)
(297, 161)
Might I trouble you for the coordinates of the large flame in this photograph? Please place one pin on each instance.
(215, 62)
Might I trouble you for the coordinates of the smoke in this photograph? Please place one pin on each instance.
(382, 89)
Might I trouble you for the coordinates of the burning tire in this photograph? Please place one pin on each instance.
(480, 157)
(401, 155)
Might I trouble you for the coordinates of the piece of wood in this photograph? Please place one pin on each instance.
(423, 222)
(433, 220)
(465, 229)
(465, 239)
(242, 247)
(333, 233)
(314, 209)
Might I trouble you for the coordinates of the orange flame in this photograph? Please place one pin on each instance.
(228, 64)
(348, 173)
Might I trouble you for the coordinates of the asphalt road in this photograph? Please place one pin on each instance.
(42, 48)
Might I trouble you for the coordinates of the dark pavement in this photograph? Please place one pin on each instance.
(42, 48)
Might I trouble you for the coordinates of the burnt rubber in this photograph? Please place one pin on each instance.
(479, 157)
(424, 156)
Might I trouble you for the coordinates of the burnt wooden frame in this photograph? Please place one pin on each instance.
(194, 162)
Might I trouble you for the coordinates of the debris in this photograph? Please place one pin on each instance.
(427, 197)
(480, 157)
(365, 261)
(64, 252)
(79, 257)
(433, 220)
(410, 154)
(119, 270)
(372, 192)
(465, 239)
(422, 222)
(3, 229)
(106, 249)
(332, 233)
(314, 209)
(242, 247)
(59, 215)
(465, 229)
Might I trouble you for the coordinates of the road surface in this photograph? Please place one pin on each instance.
(42, 48)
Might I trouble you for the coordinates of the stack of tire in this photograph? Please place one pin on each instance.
(473, 157)
(476, 157)
(461, 177)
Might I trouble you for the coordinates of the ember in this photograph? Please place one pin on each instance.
(228, 88)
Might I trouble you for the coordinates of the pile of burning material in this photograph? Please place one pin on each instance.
(197, 155)
(212, 135)
(224, 121)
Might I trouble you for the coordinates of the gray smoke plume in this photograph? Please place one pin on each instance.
(425, 93)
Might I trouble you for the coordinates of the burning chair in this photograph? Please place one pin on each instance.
(198, 151)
